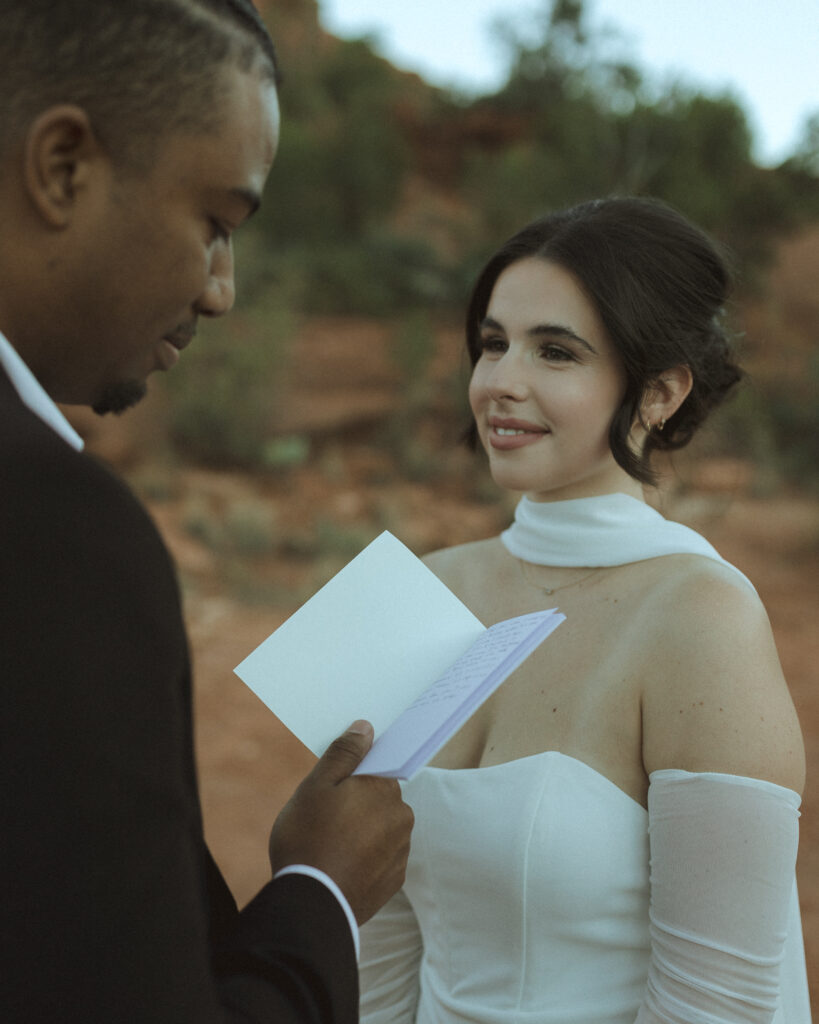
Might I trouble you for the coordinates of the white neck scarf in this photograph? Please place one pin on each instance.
(612, 529)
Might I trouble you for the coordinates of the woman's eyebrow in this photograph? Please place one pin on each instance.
(559, 331)
(491, 323)
(543, 330)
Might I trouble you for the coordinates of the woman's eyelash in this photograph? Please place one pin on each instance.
(548, 349)
(551, 351)
(492, 343)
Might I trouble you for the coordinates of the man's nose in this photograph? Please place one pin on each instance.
(220, 291)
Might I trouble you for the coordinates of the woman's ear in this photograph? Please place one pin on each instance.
(59, 153)
(664, 397)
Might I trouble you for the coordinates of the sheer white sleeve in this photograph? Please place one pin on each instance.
(391, 949)
(724, 921)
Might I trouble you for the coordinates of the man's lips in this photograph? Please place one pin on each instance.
(180, 339)
(170, 347)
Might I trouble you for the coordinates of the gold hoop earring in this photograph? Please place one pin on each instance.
(660, 425)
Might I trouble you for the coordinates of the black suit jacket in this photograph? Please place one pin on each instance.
(111, 908)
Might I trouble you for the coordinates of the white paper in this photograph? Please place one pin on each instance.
(365, 646)
(420, 731)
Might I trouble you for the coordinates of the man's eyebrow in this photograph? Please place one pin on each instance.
(251, 199)
(543, 330)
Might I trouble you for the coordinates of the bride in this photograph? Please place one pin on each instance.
(612, 837)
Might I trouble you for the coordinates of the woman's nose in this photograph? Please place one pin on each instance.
(507, 379)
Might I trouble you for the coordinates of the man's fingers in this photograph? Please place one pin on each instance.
(355, 830)
(343, 755)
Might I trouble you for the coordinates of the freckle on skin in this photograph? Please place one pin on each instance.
(553, 710)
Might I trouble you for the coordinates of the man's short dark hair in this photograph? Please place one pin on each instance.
(139, 68)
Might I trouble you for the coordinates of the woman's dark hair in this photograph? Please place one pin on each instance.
(659, 285)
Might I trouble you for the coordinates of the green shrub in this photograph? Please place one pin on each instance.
(794, 417)
(380, 273)
(224, 394)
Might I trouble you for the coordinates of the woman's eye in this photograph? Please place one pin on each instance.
(493, 344)
(556, 353)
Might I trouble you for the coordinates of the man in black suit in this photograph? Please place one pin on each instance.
(135, 137)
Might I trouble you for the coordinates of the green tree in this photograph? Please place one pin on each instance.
(342, 158)
(591, 124)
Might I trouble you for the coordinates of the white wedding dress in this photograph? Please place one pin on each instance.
(538, 892)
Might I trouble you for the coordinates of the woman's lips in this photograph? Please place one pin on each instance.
(508, 434)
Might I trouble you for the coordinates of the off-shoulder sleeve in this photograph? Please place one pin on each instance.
(391, 950)
(725, 934)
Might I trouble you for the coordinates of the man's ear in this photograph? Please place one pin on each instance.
(59, 154)
(664, 397)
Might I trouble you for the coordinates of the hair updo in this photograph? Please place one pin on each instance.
(659, 285)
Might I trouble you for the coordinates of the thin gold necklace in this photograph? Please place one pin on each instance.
(548, 591)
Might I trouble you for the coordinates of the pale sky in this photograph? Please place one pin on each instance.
(765, 51)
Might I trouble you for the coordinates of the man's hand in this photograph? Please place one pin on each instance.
(355, 829)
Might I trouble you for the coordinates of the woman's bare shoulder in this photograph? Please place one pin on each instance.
(695, 595)
(465, 559)
(475, 572)
(715, 698)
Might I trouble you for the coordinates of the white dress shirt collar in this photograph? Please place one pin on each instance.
(34, 396)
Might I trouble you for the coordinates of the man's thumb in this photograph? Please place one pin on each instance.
(344, 754)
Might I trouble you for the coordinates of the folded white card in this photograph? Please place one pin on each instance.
(386, 640)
